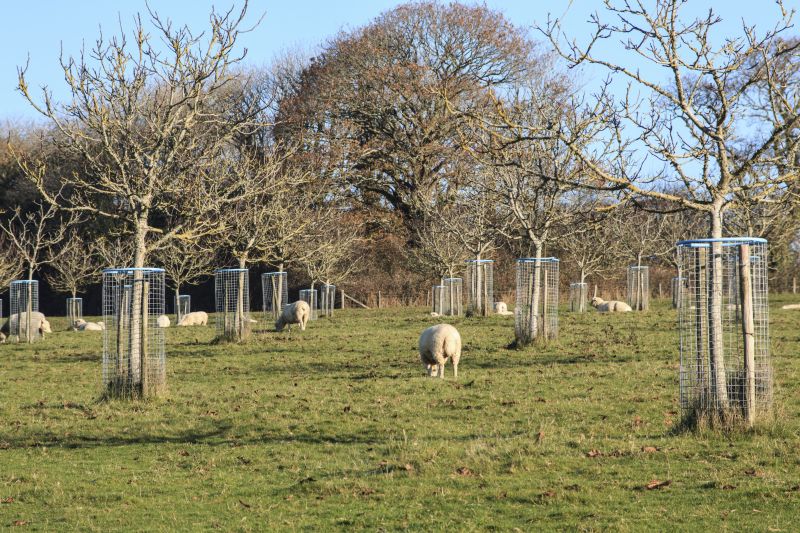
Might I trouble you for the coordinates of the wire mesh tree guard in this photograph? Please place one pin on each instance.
(639, 287)
(327, 299)
(24, 302)
(274, 294)
(183, 306)
(536, 311)
(452, 299)
(310, 297)
(232, 303)
(480, 287)
(578, 294)
(679, 290)
(725, 369)
(134, 358)
(437, 298)
(74, 311)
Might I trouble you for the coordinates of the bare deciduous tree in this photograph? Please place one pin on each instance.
(36, 235)
(700, 123)
(75, 265)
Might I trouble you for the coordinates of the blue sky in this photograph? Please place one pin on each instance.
(39, 28)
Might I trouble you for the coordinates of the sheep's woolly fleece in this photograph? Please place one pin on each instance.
(437, 344)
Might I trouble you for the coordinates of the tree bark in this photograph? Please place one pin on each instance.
(715, 333)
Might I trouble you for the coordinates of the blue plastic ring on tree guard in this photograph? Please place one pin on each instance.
(537, 260)
(452, 279)
(479, 261)
(230, 270)
(725, 241)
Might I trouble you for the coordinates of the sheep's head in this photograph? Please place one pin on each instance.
(279, 324)
(597, 301)
(44, 327)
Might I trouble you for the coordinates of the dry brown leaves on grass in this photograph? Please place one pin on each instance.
(7, 500)
(649, 449)
(464, 471)
(656, 484)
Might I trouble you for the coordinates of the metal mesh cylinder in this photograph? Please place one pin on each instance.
(578, 293)
(536, 311)
(310, 297)
(232, 303)
(437, 296)
(74, 311)
(274, 293)
(679, 290)
(327, 299)
(480, 287)
(23, 323)
(453, 297)
(639, 287)
(134, 360)
(725, 365)
(183, 305)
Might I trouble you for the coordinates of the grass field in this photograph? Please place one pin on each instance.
(338, 428)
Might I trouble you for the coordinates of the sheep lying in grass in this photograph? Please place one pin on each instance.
(791, 306)
(162, 321)
(38, 323)
(195, 318)
(437, 344)
(82, 325)
(612, 306)
(500, 308)
(294, 313)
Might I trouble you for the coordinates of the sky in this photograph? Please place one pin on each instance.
(35, 31)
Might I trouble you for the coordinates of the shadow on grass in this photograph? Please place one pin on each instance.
(220, 435)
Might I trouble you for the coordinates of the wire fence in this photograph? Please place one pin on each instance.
(23, 321)
(134, 357)
(309, 296)
(232, 304)
(725, 367)
(74, 311)
(536, 310)
(479, 279)
(578, 296)
(639, 287)
(274, 294)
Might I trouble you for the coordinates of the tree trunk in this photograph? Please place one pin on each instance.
(533, 328)
(140, 255)
(239, 318)
(715, 333)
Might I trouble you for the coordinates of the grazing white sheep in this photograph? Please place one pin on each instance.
(612, 306)
(162, 321)
(500, 308)
(791, 306)
(38, 322)
(294, 313)
(434, 314)
(437, 344)
(195, 318)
